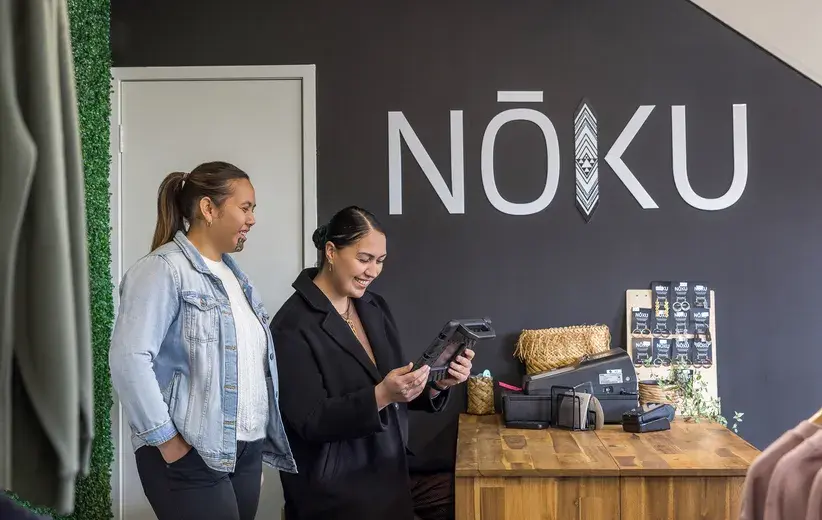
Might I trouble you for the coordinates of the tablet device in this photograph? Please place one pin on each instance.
(453, 339)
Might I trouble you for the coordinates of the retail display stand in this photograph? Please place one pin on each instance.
(642, 298)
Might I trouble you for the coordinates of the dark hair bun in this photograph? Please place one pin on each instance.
(320, 236)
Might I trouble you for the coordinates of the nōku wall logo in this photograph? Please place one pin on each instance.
(586, 155)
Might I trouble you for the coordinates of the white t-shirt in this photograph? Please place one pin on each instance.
(252, 343)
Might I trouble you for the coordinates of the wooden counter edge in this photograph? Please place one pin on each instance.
(682, 472)
(594, 473)
(538, 473)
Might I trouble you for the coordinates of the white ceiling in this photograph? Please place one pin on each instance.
(788, 29)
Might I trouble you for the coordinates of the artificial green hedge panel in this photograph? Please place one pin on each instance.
(90, 21)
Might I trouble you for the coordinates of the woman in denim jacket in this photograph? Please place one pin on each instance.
(192, 359)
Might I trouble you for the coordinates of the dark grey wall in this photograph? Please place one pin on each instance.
(552, 269)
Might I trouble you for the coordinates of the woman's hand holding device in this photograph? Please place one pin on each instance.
(459, 371)
(401, 385)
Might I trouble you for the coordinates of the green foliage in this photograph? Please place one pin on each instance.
(89, 22)
(691, 393)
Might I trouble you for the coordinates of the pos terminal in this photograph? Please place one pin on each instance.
(453, 339)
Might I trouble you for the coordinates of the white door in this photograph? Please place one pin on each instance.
(259, 118)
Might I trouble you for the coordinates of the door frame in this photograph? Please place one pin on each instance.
(306, 74)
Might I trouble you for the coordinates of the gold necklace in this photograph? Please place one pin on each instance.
(348, 319)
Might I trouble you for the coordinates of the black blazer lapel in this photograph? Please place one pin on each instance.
(338, 329)
(373, 320)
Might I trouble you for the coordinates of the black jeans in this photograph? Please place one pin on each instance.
(433, 495)
(187, 489)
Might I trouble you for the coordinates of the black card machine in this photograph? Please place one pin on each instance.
(649, 418)
(453, 339)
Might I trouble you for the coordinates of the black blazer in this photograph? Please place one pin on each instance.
(351, 459)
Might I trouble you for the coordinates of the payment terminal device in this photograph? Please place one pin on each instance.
(453, 339)
(651, 417)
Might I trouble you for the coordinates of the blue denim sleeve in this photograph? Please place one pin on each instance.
(149, 303)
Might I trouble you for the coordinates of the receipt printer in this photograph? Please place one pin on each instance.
(609, 376)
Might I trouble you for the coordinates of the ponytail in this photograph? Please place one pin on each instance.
(169, 214)
(180, 193)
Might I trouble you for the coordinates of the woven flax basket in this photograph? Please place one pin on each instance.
(480, 395)
(651, 392)
(547, 349)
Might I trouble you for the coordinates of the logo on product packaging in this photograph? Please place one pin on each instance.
(586, 158)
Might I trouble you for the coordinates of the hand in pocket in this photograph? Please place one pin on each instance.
(191, 472)
(174, 449)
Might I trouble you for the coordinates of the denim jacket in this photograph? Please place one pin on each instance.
(173, 357)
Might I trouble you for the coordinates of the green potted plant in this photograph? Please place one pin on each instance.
(686, 387)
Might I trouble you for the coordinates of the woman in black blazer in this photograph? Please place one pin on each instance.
(345, 388)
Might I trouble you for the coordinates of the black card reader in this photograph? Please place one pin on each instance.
(649, 418)
(451, 342)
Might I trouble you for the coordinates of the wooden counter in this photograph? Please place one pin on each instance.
(692, 471)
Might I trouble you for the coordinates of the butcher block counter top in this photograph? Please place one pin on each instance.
(692, 471)
(486, 448)
(689, 449)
